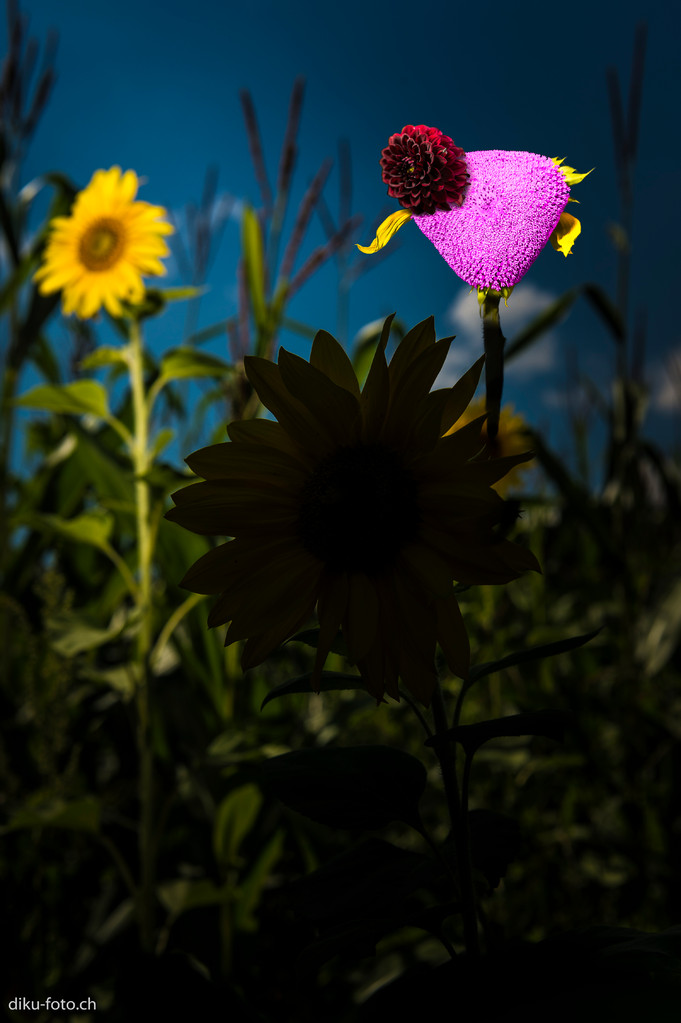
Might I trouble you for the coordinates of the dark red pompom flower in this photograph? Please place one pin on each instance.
(423, 169)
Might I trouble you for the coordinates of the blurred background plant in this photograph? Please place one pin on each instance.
(600, 818)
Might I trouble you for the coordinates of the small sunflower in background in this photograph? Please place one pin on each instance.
(511, 439)
(97, 255)
(489, 213)
(363, 504)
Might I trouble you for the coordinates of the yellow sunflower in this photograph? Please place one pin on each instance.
(354, 502)
(510, 440)
(97, 255)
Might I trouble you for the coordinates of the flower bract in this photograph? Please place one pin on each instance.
(358, 503)
(97, 255)
(504, 210)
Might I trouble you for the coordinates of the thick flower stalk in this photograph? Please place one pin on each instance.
(97, 255)
(360, 504)
(489, 214)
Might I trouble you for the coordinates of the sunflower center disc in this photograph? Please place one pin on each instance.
(359, 508)
(101, 244)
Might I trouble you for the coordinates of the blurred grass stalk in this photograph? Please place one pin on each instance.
(21, 107)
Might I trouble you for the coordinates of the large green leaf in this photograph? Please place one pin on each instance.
(190, 362)
(80, 397)
(364, 787)
(92, 527)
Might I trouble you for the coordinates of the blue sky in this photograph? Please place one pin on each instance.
(154, 87)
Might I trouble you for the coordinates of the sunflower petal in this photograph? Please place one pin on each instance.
(461, 395)
(334, 408)
(291, 413)
(331, 358)
(387, 229)
(331, 610)
(565, 233)
(452, 635)
(361, 622)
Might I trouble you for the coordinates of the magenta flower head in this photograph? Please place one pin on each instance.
(489, 214)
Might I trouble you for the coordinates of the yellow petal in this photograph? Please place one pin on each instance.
(565, 233)
(572, 176)
(385, 232)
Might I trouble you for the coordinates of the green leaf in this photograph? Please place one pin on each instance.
(371, 879)
(45, 811)
(606, 309)
(234, 819)
(78, 398)
(250, 891)
(72, 635)
(105, 355)
(254, 263)
(162, 439)
(184, 893)
(124, 678)
(533, 653)
(92, 527)
(311, 638)
(188, 362)
(551, 723)
(331, 681)
(547, 319)
(364, 787)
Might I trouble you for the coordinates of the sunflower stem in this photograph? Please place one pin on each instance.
(494, 342)
(446, 756)
(140, 458)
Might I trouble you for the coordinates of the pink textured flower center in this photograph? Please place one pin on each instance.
(512, 204)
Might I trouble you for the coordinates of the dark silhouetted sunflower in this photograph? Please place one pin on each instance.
(356, 503)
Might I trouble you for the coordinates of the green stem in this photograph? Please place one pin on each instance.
(140, 457)
(494, 342)
(446, 756)
(176, 617)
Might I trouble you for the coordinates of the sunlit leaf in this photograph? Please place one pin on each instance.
(254, 262)
(189, 362)
(92, 527)
(105, 355)
(80, 397)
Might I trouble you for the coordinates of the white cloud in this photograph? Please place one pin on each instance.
(665, 384)
(524, 304)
